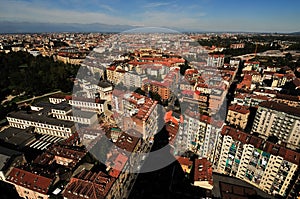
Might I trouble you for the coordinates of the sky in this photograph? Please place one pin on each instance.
(198, 15)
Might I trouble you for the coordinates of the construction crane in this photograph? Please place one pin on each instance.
(255, 49)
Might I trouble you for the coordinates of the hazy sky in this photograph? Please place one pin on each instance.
(214, 15)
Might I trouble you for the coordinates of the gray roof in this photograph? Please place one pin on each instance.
(48, 106)
(5, 156)
(3, 160)
(39, 117)
(104, 84)
(82, 114)
(17, 137)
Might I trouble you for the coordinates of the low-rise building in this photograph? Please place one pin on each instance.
(88, 184)
(57, 98)
(238, 115)
(17, 138)
(34, 184)
(89, 104)
(41, 123)
(8, 159)
(203, 173)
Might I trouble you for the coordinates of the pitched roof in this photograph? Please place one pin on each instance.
(89, 184)
(29, 180)
(259, 143)
(281, 107)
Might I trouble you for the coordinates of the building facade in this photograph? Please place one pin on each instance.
(238, 116)
(280, 120)
(263, 164)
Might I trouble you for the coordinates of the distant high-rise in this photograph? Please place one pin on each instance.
(215, 60)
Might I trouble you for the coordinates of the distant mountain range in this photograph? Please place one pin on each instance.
(295, 33)
(31, 27)
(40, 27)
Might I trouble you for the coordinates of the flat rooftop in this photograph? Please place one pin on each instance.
(39, 118)
(17, 137)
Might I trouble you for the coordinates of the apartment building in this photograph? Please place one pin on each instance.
(31, 184)
(135, 111)
(238, 115)
(215, 60)
(133, 79)
(280, 120)
(105, 90)
(251, 100)
(200, 133)
(263, 164)
(165, 87)
(115, 74)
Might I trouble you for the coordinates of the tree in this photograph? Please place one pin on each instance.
(20, 71)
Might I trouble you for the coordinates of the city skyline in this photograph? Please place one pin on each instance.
(204, 15)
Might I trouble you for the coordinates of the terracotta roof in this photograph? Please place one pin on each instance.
(259, 143)
(239, 109)
(288, 97)
(203, 170)
(56, 151)
(281, 107)
(118, 165)
(129, 140)
(89, 184)
(185, 163)
(29, 180)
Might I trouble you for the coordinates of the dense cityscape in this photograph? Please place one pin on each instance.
(220, 116)
(149, 99)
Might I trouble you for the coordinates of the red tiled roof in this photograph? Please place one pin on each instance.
(29, 180)
(239, 109)
(118, 165)
(128, 141)
(184, 161)
(281, 107)
(259, 143)
(88, 184)
(203, 170)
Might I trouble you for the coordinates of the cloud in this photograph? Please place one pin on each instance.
(157, 4)
(34, 12)
(107, 7)
(40, 12)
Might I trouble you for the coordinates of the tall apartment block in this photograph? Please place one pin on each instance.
(215, 60)
(279, 120)
(263, 164)
(200, 133)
